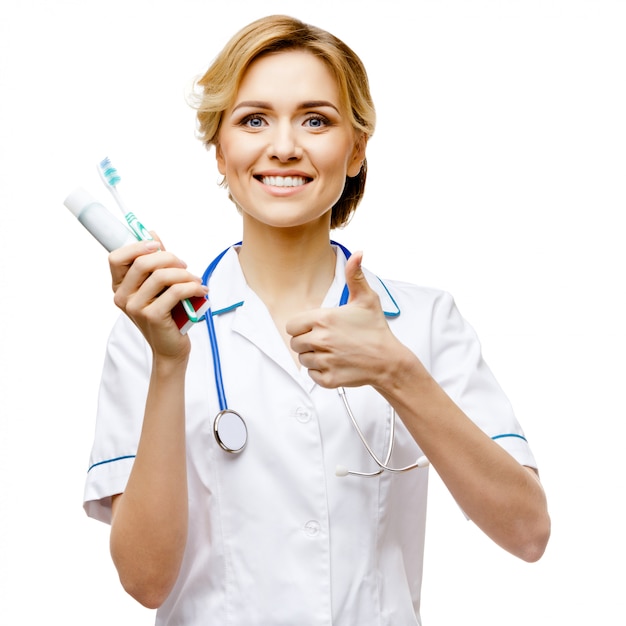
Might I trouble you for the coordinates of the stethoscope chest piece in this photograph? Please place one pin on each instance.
(230, 431)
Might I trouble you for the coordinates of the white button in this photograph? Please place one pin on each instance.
(312, 528)
(303, 415)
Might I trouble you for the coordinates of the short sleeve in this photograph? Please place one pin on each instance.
(121, 405)
(459, 367)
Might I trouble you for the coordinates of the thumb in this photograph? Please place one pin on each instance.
(355, 279)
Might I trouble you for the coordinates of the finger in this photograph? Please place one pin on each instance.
(158, 239)
(167, 278)
(141, 277)
(315, 361)
(146, 264)
(355, 279)
(300, 324)
(121, 259)
(162, 291)
(300, 344)
(130, 251)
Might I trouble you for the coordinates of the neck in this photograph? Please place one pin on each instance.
(290, 266)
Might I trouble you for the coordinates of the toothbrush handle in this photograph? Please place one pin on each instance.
(190, 311)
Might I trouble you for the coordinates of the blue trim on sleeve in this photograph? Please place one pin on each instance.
(119, 458)
(510, 435)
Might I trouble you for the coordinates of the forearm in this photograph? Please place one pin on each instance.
(149, 526)
(502, 497)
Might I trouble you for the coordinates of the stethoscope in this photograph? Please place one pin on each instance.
(229, 427)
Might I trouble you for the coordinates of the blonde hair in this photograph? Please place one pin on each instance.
(216, 90)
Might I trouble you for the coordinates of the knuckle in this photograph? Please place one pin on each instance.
(118, 300)
(151, 316)
(180, 290)
(325, 317)
(327, 380)
(114, 258)
(131, 308)
(144, 262)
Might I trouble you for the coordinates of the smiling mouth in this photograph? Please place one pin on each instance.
(283, 181)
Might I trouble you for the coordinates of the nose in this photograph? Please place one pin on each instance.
(284, 145)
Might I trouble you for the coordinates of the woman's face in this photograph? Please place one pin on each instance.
(286, 145)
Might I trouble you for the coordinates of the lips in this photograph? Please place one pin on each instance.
(283, 181)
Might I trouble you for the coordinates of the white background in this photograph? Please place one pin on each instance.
(498, 172)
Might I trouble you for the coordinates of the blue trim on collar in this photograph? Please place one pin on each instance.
(395, 313)
(227, 309)
(344, 296)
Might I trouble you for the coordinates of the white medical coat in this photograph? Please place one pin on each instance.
(275, 537)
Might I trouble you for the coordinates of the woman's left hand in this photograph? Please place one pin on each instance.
(348, 346)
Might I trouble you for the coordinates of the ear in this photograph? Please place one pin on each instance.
(221, 161)
(358, 155)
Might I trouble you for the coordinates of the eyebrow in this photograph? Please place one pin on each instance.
(311, 104)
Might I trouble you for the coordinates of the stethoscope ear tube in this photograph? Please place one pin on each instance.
(342, 471)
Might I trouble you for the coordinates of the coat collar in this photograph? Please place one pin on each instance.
(228, 289)
(229, 292)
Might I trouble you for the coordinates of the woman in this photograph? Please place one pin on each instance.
(271, 535)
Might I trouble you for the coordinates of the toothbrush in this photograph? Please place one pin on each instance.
(194, 308)
(111, 178)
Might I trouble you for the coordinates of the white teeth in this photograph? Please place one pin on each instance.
(284, 181)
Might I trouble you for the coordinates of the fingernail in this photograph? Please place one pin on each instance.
(152, 246)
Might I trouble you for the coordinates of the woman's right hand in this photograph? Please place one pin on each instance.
(148, 282)
(148, 548)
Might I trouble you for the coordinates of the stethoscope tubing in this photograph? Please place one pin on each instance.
(217, 363)
(382, 465)
(239, 443)
(215, 351)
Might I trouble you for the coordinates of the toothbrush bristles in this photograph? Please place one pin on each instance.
(109, 172)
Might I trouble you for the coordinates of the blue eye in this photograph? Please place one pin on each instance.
(252, 121)
(317, 121)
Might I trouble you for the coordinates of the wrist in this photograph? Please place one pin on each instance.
(404, 371)
(170, 365)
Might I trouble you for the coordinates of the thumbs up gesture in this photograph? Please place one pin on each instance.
(348, 346)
